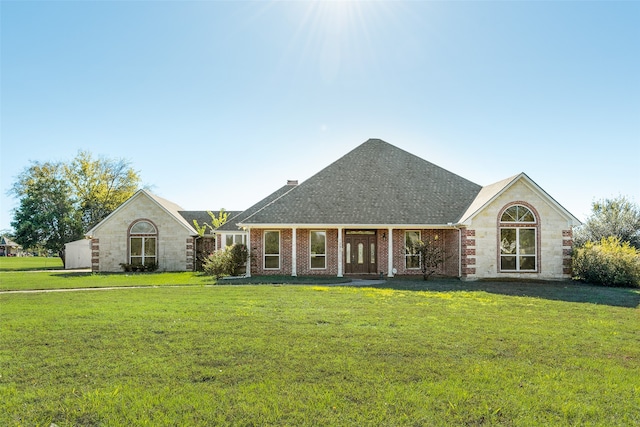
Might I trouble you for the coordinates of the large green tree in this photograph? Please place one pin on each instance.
(618, 217)
(100, 185)
(59, 201)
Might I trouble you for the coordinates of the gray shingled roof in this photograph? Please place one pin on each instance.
(230, 225)
(376, 183)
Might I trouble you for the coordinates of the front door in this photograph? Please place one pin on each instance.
(360, 252)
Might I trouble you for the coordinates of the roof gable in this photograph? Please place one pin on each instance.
(169, 207)
(376, 183)
(491, 192)
(5, 241)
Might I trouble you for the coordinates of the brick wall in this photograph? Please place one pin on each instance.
(447, 239)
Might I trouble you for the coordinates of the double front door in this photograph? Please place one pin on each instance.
(360, 252)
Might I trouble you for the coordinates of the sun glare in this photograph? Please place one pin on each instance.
(335, 34)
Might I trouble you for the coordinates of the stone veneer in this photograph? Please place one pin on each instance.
(553, 237)
(110, 243)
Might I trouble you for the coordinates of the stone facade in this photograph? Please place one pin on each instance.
(481, 241)
(110, 240)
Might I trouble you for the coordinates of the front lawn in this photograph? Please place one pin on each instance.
(47, 280)
(10, 263)
(16, 281)
(399, 354)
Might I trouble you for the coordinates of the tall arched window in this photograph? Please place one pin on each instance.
(518, 239)
(143, 243)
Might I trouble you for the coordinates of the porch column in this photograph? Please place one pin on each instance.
(248, 269)
(390, 253)
(294, 250)
(339, 251)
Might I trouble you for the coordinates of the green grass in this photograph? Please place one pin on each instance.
(16, 281)
(45, 280)
(403, 353)
(30, 263)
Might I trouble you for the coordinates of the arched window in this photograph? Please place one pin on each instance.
(143, 243)
(518, 239)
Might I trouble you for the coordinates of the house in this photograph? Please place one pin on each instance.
(361, 215)
(8, 247)
(144, 230)
(149, 230)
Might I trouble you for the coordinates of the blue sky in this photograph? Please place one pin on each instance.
(217, 104)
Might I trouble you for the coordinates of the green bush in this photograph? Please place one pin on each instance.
(228, 262)
(609, 263)
(239, 254)
(218, 264)
(137, 268)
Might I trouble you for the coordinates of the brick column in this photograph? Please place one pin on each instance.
(567, 243)
(95, 255)
(190, 254)
(468, 252)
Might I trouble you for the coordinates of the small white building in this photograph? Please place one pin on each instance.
(77, 254)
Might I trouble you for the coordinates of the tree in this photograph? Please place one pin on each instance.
(46, 215)
(218, 221)
(100, 185)
(617, 217)
(61, 200)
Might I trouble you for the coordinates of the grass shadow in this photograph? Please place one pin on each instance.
(284, 280)
(567, 290)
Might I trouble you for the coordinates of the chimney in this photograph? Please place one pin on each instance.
(292, 182)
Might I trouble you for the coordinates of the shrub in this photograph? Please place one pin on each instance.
(609, 263)
(228, 262)
(138, 267)
(239, 254)
(218, 264)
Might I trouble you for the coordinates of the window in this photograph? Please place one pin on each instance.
(412, 258)
(234, 239)
(143, 244)
(271, 250)
(518, 213)
(518, 241)
(318, 246)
